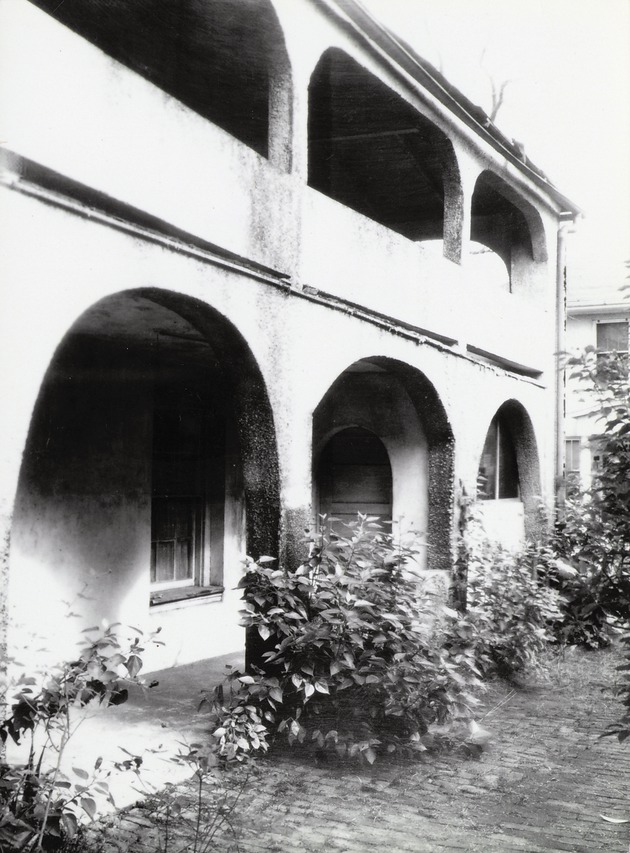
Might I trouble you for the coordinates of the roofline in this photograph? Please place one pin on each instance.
(432, 80)
(601, 308)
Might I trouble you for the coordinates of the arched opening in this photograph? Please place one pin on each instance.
(507, 224)
(373, 152)
(354, 475)
(508, 480)
(386, 418)
(218, 57)
(150, 465)
(498, 470)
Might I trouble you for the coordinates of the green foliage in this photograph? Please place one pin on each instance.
(41, 803)
(593, 535)
(621, 728)
(192, 818)
(511, 606)
(358, 660)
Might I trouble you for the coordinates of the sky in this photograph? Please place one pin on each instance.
(567, 100)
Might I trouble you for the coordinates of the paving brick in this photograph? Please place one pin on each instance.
(540, 787)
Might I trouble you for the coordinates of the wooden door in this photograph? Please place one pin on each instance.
(354, 475)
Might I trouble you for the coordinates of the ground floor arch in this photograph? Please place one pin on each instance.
(149, 471)
(394, 403)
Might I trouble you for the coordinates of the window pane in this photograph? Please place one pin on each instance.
(162, 561)
(612, 337)
(572, 455)
(184, 563)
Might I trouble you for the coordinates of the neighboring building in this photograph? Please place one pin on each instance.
(598, 316)
(246, 270)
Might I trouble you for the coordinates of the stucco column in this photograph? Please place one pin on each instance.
(296, 491)
(469, 172)
(280, 113)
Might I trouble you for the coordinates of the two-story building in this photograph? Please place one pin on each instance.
(260, 261)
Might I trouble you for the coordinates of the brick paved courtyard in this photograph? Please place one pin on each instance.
(541, 785)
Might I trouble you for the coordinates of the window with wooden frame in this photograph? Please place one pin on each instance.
(188, 472)
(498, 470)
(612, 348)
(572, 455)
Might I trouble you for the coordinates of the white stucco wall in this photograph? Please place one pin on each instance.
(90, 120)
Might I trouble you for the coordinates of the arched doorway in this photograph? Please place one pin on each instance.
(399, 409)
(149, 470)
(353, 476)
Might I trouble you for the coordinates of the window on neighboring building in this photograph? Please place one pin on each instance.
(498, 470)
(612, 348)
(572, 456)
(187, 480)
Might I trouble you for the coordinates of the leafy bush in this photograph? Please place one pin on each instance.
(357, 663)
(593, 534)
(510, 599)
(41, 803)
(194, 816)
(592, 591)
(621, 728)
(511, 606)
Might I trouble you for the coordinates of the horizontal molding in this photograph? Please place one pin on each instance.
(392, 324)
(505, 363)
(37, 181)
(50, 187)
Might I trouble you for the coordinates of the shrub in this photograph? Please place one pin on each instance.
(593, 534)
(194, 816)
(358, 661)
(41, 803)
(592, 591)
(511, 606)
(514, 607)
(621, 728)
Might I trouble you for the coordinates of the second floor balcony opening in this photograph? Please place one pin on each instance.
(506, 225)
(217, 57)
(373, 152)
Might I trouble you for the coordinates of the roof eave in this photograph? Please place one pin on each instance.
(447, 94)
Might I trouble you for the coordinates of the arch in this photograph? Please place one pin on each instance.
(150, 451)
(511, 442)
(224, 60)
(399, 405)
(506, 222)
(372, 151)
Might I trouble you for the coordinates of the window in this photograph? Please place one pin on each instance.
(612, 348)
(498, 471)
(572, 456)
(612, 337)
(187, 499)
